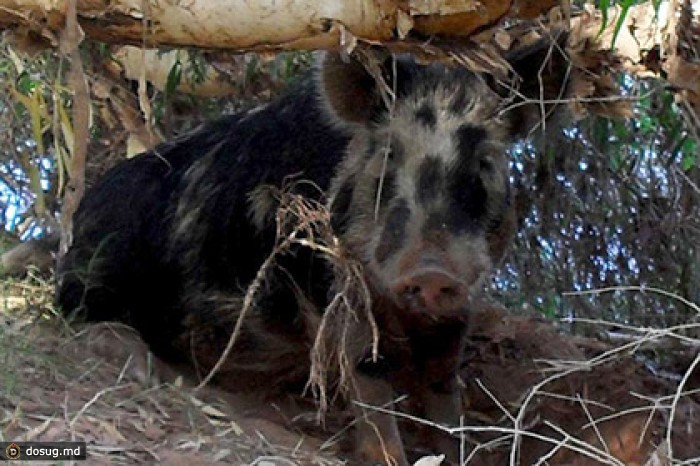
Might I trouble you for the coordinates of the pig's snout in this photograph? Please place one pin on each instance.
(431, 290)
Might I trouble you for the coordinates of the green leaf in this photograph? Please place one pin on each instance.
(615, 160)
(689, 157)
(603, 6)
(646, 124)
(25, 84)
(198, 66)
(549, 307)
(625, 5)
(688, 162)
(174, 77)
(159, 108)
(619, 128)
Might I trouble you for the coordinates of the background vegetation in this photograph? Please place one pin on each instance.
(602, 203)
(607, 246)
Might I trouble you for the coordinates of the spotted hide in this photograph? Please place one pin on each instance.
(411, 161)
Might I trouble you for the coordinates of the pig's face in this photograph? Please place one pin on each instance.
(423, 198)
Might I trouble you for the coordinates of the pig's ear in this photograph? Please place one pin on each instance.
(350, 92)
(542, 71)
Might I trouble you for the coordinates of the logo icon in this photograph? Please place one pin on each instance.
(12, 451)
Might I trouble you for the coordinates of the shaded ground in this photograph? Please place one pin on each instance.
(60, 386)
(562, 400)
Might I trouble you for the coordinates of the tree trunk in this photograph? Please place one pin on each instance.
(263, 24)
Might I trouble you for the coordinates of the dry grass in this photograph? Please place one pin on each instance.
(532, 395)
(347, 318)
(59, 385)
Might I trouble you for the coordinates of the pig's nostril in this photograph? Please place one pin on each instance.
(413, 290)
(432, 291)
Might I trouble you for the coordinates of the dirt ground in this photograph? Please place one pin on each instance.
(561, 400)
(62, 385)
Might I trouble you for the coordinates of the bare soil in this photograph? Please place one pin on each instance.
(560, 400)
(98, 385)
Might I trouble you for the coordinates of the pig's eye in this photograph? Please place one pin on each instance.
(486, 165)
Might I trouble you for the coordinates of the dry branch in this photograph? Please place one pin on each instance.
(262, 25)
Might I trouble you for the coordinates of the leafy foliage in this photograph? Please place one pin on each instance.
(605, 203)
(30, 104)
(609, 203)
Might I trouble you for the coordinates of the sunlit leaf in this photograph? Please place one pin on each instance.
(16, 60)
(32, 171)
(36, 107)
(61, 158)
(624, 8)
(66, 124)
(603, 6)
(25, 84)
(35, 186)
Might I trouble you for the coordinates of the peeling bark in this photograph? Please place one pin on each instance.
(263, 24)
(70, 39)
(157, 66)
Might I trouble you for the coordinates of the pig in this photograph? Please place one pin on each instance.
(411, 162)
